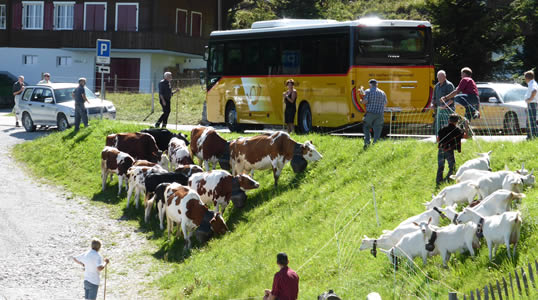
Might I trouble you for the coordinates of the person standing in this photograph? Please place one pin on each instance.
(468, 95)
(285, 282)
(375, 101)
(449, 139)
(18, 89)
(290, 96)
(80, 98)
(45, 80)
(531, 97)
(92, 262)
(441, 109)
(165, 97)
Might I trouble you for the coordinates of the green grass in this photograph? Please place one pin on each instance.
(136, 107)
(317, 217)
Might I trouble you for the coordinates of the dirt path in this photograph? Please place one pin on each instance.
(41, 227)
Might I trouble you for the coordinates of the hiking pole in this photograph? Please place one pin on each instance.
(104, 296)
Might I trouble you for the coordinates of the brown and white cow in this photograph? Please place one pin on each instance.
(139, 145)
(137, 180)
(188, 170)
(183, 206)
(114, 161)
(268, 152)
(209, 147)
(178, 152)
(218, 186)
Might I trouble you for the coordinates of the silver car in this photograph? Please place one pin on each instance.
(53, 105)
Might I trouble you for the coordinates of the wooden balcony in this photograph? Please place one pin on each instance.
(120, 40)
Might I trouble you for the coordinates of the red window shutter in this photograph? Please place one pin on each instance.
(196, 25)
(16, 21)
(126, 18)
(78, 21)
(181, 26)
(48, 19)
(99, 11)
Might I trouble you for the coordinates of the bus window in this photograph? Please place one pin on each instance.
(290, 56)
(216, 58)
(399, 44)
(335, 48)
(309, 61)
(234, 59)
(271, 57)
(252, 64)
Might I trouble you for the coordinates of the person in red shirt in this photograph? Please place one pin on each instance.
(285, 283)
(468, 95)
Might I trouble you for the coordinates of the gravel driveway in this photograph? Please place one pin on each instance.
(42, 226)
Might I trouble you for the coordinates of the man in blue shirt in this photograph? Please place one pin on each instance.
(80, 97)
(375, 101)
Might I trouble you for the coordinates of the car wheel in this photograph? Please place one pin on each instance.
(511, 125)
(62, 122)
(27, 122)
(304, 119)
(231, 118)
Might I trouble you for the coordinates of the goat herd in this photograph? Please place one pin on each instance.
(144, 160)
(489, 216)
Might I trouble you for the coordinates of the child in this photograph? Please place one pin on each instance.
(92, 262)
(449, 139)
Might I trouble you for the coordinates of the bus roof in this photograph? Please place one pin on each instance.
(302, 24)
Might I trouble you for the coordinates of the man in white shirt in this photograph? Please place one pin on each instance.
(45, 80)
(531, 97)
(92, 262)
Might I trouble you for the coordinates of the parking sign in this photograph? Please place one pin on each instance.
(103, 52)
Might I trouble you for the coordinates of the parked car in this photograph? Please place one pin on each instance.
(54, 105)
(502, 107)
(6, 89)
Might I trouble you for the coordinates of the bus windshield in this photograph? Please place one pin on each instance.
(392, 45)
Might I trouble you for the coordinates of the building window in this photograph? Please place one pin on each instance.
(3, 16)
(29, 59)
(181, 21)
(62, 61)
(32, 14)
(196, 24)
(95, 16)
(63, 15)
(126, 16)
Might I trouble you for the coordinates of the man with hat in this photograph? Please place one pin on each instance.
(375, 101)
(285, 282)
(45, 80)
(80, 97)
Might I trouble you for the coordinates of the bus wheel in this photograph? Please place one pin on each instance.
(231, 118)
(304, 119)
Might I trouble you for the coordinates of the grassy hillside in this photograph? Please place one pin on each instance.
(317, 217)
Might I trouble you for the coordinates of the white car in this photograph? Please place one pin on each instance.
(53, 105)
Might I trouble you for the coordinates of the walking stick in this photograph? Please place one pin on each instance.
(104, 296)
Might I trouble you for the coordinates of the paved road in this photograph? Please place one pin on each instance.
(42, 226)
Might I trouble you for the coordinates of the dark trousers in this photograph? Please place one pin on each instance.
(443, 156)
(166, 112)
(471, 104)
(80, 112)
(531, 115)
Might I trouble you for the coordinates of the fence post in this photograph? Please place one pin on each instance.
(499, 291)
(505, 288)
(375, 206)
(152, 96)
(472, 295)
(486, 294)
(525, 283)
(512, 286)
(531, 275)
(464, 297)
(478, 294)
(491, 291)
(452, 296)
(115, 82)
(517, 282)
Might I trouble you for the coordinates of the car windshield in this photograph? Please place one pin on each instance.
(65, 94)
(511, 93)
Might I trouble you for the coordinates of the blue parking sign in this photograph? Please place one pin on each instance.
(103, 51)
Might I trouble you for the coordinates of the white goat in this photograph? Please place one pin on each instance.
(373, 296)
(455, 194)
(410, 246)
(479, 163)
(469, 174)
(497, 203)
(498, 229)
(452, 238)
(503, 180)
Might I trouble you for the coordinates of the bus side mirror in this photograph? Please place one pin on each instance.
(206, 53)
(202, 78)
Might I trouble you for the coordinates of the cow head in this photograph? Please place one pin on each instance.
(246, 182)
(310, 153)
(218, 225)
(188, 170)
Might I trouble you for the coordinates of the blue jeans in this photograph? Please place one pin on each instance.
(80, 112)
(471, 104)
(374, 121)
(90, 290)
(531, 116)
(443, 156)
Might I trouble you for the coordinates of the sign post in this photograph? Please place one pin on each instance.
(103, 58)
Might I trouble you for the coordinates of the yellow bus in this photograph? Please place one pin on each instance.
(329, 62)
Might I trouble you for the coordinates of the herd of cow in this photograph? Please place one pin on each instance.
(144, 159)
(489, 216)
